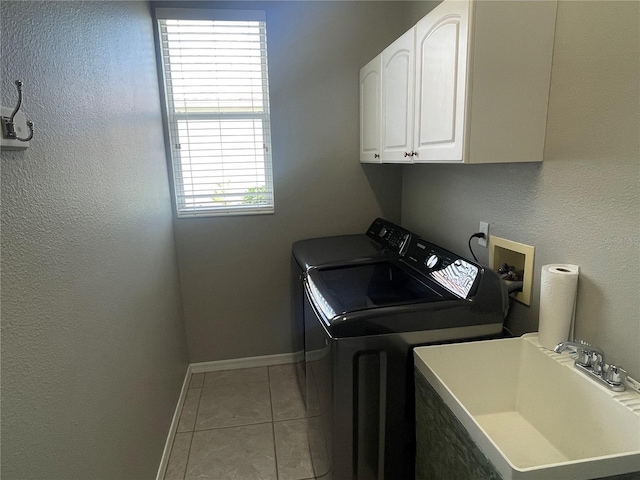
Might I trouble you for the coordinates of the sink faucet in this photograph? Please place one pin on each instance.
(585, 354)
(590, 361)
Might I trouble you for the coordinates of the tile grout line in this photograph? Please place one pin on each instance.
(232, 426)
(173, 444)
(273, 425)
(193, 431)
(175, 434)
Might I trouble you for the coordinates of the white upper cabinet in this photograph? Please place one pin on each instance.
(397, 100)
(469, 84)
(370, 103)
(441, 73)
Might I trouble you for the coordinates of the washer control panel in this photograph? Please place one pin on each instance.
(452, 272)
(389, 235)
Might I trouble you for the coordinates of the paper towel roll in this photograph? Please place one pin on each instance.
(558, 292)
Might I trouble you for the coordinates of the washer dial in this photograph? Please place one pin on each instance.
(432, 261)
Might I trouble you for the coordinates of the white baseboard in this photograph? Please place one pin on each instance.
(164, 461)
(248, 362)
(215, 366)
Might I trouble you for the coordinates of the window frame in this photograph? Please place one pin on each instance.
(171, 118)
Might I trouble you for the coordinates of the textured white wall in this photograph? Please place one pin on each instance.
(93, 344)
(582, 205)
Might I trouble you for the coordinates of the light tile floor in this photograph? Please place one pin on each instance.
(242, 425)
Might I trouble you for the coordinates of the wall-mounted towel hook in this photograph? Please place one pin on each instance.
(9, 129)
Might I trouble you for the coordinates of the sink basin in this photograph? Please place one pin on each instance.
(531, 413)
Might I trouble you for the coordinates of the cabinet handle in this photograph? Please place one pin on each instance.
(407, 154)
(375, 155)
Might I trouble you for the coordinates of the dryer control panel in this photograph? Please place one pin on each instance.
(452, 272)
(389, 236)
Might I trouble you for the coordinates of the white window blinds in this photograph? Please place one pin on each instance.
(217, 99)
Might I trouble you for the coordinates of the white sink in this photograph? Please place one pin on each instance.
(531, 412)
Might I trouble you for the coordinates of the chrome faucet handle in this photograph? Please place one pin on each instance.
(592, 357)
(596, 362)
(615, 374)
(583, 357)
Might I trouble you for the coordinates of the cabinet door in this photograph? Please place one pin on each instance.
(370, 103)
(441, 76)
(397, 100)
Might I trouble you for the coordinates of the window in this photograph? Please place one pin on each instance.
(214, 65)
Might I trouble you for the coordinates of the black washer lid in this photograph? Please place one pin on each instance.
(314, 252)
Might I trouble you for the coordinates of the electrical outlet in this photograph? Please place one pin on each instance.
(484, 228)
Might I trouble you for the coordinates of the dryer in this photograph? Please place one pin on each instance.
(382, 240)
